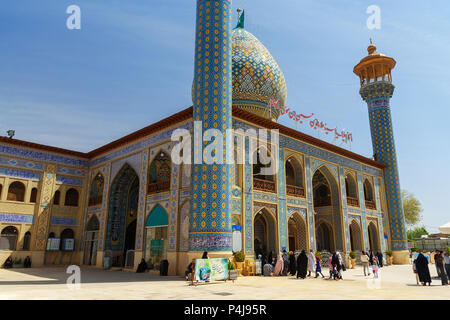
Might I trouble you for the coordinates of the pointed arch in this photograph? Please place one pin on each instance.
(351, 188)
(297, 232)
(374, 239)
(294, 177)
(262, 159)
(57, 197)
(93, 224)
(159, 172)
(156, 235)
(325, 236)
(265, 231)
(122, 204)
(369, 195)
(356, 240)
(183, 225)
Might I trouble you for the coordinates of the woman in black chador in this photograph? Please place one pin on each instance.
(302, 265)
(270, 259)
(422, 270)
(142, 266)
(292, 264)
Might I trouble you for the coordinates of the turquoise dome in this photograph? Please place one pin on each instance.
(257, 78)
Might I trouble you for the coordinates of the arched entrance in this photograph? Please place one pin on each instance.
(91, 241)
(156, 227)
(298, 237)
(324, 237)
(122, 212)
(374, 243)
(327, 207)
(264, 236)
(355, 236)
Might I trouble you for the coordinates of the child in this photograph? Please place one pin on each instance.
(331, 268)
(375, 267)
(318, 268)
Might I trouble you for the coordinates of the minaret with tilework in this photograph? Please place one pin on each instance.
(210, 220)
(374, 72)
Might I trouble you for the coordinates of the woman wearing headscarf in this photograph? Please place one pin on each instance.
(311, 262)
(340, 266)
(336, 266)
(267, 270)
(440, 264)
(292, 264)
(302, 265)
(142, 266)
(278, 266)
(422, 270)
(285, 264)
(205, 255)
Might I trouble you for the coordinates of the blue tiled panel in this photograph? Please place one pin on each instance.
(15, 173)
(16, 218)
(61, 221)
(41, 156)
(69, 180)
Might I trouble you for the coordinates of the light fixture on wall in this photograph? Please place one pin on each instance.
(11, 133)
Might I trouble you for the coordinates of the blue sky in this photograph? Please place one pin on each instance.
(131, 64)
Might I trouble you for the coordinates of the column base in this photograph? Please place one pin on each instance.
(401, 257)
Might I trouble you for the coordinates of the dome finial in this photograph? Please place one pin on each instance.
(372, 48)
(241, 18)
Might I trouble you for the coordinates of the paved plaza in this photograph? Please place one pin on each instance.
(397, 282)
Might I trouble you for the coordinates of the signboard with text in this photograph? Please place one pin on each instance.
(211, 269)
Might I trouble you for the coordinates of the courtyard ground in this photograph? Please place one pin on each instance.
(396, 282)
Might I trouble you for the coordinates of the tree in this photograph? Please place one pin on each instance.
(416, 233)
(412, 208)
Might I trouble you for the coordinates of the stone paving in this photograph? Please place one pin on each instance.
(396, 282)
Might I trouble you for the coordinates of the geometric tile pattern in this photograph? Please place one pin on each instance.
(377, 97)
(256, 75)
(210, 223)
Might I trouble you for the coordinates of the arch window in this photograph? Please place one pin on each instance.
(159, 173)
(33, 195)
(57, 197)
(263, 177)
(26, 241)
(351, 191)
(294, 178)
(16, 191)
(369, 195)
(67, 240)
(8, 238)
(96, 191)
(71, 199)
(1, 187)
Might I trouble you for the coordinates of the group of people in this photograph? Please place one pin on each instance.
(9, 262)
(303, 266)
(442, 263)
(370, 260)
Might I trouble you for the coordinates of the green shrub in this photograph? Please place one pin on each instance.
(414, 249)
(424, 251)
(239, 256)
(447, 249)
(17, 261)
(231, 265)
(352, 254)
(389, 253)
(318, 254)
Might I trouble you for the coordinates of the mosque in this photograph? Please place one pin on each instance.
(129, 200)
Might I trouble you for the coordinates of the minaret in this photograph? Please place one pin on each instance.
(374, 72)
(210, 219)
